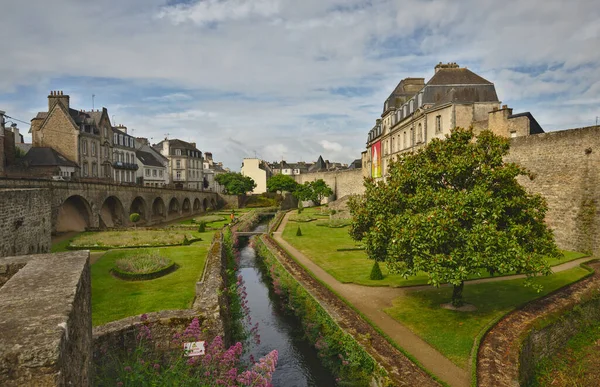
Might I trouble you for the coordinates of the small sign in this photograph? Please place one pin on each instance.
(194, 349)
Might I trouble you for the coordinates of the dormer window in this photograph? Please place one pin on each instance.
(177, 152)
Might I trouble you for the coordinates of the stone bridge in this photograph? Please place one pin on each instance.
(77, 206)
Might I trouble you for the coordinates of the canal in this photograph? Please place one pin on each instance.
(298, 364)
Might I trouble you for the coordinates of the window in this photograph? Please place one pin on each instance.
(404, 141)
(127, 158)
(160, 173)
(411, 105)
(177, 152)
(438, 124)
(93, 149)
(147, 172)
(412, 137)
(121, 139)
(420, 133)
(177, 163)
(105, 132)
(178, 175)
(115, 138)
(94, 169)
(84, 147)
(122, 175)
(154, 173)
(131, 142)
(393, 141)
(85, 169)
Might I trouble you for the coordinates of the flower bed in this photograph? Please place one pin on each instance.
(107, 240)
(143, 267)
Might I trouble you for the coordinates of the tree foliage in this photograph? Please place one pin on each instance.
(281, 183)
(314, 191)
(235, 183)
(134, 218)
(453, 209)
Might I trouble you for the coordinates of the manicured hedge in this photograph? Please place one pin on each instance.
(144, 276)
(190, 241)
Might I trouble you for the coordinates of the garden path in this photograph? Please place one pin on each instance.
(371, 301)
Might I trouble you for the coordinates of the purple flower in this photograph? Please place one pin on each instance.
(156, 366)
(144, 317)
(127, 369)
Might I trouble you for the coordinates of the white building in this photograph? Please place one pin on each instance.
(259, 171)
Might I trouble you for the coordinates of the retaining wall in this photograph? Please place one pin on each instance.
(344, 182)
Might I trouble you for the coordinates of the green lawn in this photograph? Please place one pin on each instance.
(320, 244)
(130, 237)
(452, 332)
(113, 299)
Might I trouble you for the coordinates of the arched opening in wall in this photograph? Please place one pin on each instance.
(138, 206)
(158, 209)
(205, 205)
(197, 205)
(74, 215)
(174, 207)
(213, 204)
(186, 207)
(112, 213)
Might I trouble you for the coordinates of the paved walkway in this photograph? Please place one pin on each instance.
(371, 301)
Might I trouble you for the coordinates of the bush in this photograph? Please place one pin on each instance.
(134, 218)
(186, 241)
(300, 207)
(298, 232)
(202, 227)
(333, 212)
(376, 272)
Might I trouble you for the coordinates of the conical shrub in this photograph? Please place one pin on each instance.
(376, 272)
(298, 232)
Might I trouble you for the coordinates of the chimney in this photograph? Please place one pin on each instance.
(193, 144)
(57, 97)
(122, 128)
(449, 65)
(208, 156)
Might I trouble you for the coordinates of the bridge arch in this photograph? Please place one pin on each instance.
(112, 213)
(197, 205)
(159, 211)
(138, 205)
(205, 205)
(74, 214)
(186, 206)
(174, 207)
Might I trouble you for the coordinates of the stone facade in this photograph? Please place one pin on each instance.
(25, 221)
(46, 328)
(565, 167)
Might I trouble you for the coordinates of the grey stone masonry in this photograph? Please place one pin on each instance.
(45, 320)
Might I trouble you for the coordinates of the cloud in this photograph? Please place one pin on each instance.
(291, 78)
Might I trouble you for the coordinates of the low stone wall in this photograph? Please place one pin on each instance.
(45, 320)
(345, 182)
(231, 201)
(509, 351)
(121, 335)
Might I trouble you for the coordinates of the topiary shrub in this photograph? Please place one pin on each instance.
(202, 227)
(186, 241)
(376, 272)
(134, 218)
(143, 267)
(298, 232)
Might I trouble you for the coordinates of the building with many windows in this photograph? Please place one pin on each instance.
(185, 163)
(124, 158)
(211, 171)
(153, 167)
(416, 112)
(82, 137)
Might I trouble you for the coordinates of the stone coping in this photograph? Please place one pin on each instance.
(38, 307)
(499, 356)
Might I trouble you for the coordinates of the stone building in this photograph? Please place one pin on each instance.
(259, 171)
(416, 112)
(185, 163)
(44, 162)
(124, 156)
(211, 171)
(153, 167)
(82, 137)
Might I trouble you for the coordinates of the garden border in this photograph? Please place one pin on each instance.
(127, 276)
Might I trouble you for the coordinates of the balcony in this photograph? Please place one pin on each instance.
(122, 165)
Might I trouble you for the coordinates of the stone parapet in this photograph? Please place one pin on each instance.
(45, 320)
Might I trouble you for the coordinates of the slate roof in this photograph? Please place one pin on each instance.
(148, 159)
(457, 76)
(534, 126)
(45, 157)
(318, 166)
(176, 144)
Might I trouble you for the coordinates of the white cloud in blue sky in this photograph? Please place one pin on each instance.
(290, 78)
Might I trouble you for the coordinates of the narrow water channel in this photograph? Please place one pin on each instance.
(298, 364)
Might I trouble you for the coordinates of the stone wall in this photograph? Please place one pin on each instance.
(231, 201)
(565, 166)
(45, 320)
(510, 349)
(25, 221)
(345, 182)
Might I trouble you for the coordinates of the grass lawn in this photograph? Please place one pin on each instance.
(113, 299)
(452, 332)
(133, 238)
(320, 244)
(578, 364)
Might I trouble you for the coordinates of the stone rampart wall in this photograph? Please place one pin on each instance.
(45, 320)
(25, 221)
(345, 182)
(565, 166)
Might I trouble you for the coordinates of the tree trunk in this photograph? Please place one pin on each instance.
(457, 293)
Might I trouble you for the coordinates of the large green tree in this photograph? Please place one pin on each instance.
(281, 183)
(235, 183)
(453, 209)
(314, 191)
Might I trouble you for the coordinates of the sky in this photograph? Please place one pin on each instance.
(290, 79)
